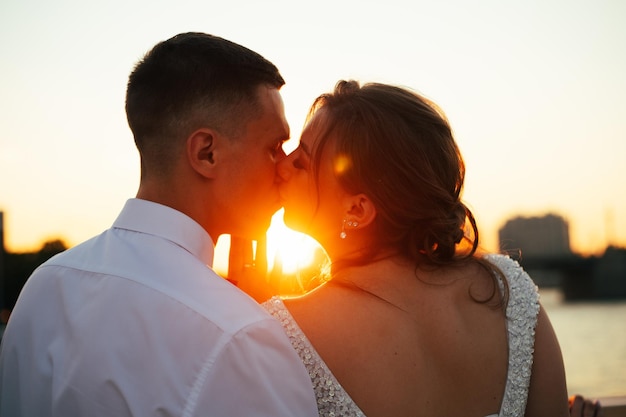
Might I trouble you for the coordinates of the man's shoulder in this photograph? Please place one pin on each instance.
(170, 273)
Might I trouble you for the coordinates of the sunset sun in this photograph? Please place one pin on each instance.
(292, 249)
(287, 250)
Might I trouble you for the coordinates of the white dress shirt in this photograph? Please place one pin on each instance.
(134, 322)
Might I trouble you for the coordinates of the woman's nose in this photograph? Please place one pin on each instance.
(284, 168)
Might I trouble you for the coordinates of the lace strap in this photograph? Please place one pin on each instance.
(521, 319)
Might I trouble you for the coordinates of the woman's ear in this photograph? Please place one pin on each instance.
(200, 149)
(359, 210)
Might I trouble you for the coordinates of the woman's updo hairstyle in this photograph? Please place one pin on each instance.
(397, 147)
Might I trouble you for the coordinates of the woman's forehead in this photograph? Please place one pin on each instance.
(314, 129)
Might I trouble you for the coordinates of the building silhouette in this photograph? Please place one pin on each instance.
(541, 245)
(533, 237)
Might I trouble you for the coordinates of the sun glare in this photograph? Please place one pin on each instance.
(292, 249)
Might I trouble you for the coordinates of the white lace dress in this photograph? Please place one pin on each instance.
(521, 314)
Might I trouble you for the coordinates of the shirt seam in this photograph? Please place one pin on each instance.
(227, 338)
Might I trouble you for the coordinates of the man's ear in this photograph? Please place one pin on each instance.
(359, 210)
(200, 149)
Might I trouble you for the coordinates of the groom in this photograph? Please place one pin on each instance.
(134, 322)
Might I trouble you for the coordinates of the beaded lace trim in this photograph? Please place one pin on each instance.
(332, 399)
(521, 319)
(521, 313)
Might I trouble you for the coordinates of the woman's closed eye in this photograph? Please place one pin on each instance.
(301, 157)
(298, 164)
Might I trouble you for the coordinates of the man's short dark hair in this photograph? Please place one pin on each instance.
(189, 81)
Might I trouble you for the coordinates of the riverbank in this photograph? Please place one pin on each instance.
(613, 406)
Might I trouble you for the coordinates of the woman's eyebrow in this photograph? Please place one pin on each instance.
(305, 148)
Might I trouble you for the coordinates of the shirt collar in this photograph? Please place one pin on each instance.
(145, 216)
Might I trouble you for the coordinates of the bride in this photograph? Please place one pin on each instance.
(413, 319)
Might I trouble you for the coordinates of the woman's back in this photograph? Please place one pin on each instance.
(400, 346)
(436, 353)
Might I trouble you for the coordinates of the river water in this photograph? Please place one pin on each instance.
(592, 336)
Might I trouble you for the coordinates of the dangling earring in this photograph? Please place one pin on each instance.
(343, 233)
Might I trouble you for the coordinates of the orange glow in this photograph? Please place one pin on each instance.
(288, 250)
(292, 249)
(342, 164)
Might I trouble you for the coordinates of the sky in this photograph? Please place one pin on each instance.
(535, 92)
